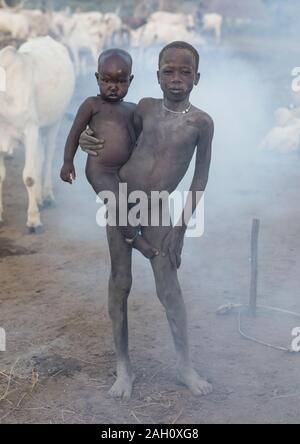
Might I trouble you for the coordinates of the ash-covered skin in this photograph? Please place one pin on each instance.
(159, 160)
(108, 116)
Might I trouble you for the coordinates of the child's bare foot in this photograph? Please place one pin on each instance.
(190, 378)
(144, 247)
(122, 388)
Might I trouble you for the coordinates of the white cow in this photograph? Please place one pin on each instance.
(58, 19)
(86, 34)
(15, 24)
(82, 42)
(164, 27)
(284, 137)
(114, 31)
(172, 18)
(39, 85)
(81, 33)
(213, 22)
(39, 22)
(91, 18)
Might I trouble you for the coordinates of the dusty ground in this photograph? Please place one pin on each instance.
(59, 362)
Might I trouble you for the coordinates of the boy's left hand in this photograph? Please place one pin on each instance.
(172, 245)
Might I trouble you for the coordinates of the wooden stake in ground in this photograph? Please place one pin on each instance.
(254, 266)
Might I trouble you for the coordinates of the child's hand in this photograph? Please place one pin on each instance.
(67, 173)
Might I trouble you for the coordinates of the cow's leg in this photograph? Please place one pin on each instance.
(218, 33)
(94, 52)
(48, 195)
(31, 175)
(76, 59)
(83, 66)
(2, 178)
(40, 158)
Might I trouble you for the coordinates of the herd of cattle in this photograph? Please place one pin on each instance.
(87, 33)
(53, 52)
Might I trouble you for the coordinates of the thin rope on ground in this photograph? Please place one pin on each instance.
(251, 338)
(223, 309)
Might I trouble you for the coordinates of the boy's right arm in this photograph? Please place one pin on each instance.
(80, 123)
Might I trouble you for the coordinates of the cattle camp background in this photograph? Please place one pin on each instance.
(56, 358)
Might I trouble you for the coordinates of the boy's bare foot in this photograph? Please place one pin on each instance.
(122, 388)
(144, 247)
(190, 378)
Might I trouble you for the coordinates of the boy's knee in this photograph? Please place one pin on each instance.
(169, 292)
(121, 282)
(170, 299)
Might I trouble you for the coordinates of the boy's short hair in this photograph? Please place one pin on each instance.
(181, 45)
(115, 51)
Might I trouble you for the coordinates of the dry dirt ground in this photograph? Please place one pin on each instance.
(59, 362)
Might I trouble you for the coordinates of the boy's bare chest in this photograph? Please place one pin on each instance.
(171, 132)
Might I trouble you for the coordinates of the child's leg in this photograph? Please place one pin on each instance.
(169, 293)
(102, 181)
(119, 288)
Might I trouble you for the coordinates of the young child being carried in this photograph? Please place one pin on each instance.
(112, 119)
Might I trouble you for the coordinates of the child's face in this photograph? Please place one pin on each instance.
(177, 74)
(114, 78)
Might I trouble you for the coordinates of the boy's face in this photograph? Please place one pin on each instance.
(114, 78)
(177, 74)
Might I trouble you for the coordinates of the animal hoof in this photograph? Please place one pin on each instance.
(36, 230)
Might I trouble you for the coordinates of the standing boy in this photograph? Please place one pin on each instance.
(170, 130)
